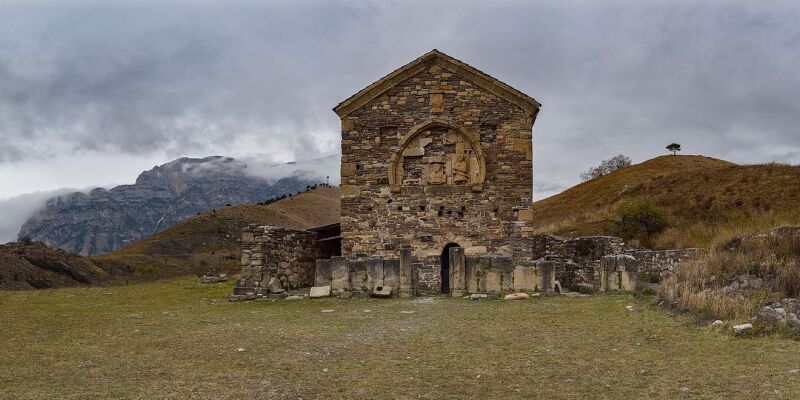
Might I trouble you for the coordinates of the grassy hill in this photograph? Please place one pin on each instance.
(706, 200)
(188, 246)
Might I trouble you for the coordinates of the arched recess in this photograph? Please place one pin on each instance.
(396, 161)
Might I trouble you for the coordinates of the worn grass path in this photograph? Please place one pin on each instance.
(176, 339)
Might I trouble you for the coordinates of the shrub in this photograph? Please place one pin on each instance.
(26, 240)
(606, 167)
(641, 219)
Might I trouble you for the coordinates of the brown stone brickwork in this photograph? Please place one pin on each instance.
(436, 153)
(268, 252)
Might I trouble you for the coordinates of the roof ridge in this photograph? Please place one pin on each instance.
(481, 78)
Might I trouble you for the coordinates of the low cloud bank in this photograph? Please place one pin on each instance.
(16, 210)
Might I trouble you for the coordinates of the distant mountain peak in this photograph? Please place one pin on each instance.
(104, 220)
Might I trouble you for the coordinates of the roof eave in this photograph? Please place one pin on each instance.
(484, 80)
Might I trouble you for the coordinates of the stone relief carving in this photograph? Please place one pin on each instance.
(437, 175)
(437, 154)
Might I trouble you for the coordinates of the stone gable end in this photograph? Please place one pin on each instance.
(434, 158)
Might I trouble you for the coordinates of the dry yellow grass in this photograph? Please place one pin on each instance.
(697, 286)
(707, 199)
(187, 247)
(177, 339)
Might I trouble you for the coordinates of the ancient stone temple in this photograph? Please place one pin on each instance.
(436, 154)
(436, 186)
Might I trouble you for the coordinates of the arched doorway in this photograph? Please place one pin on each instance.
(445, 277)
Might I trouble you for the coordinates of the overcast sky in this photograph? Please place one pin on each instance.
(92, 93)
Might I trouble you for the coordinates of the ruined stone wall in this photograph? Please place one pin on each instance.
(475, 274)
(461, 172)
(655, 265)
(270, 252)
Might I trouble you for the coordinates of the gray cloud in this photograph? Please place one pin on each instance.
(194, 78)
(17, 210)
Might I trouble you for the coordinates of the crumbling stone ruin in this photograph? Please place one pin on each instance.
(436, 186)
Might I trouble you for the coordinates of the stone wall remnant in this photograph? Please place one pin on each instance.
(275, 259)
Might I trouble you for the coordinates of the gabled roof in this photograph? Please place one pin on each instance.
(436, 57)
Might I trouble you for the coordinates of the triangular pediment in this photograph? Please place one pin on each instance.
(435, 57)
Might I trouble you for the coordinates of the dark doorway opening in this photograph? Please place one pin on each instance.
(445, 278)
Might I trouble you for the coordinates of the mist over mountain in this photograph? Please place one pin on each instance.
(103, 220)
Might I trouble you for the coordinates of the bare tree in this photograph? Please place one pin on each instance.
(674, 148)
(606, 167)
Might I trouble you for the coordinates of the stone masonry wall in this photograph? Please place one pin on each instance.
(655, 265)
(479, 274)
(269, 252)
(440, 196)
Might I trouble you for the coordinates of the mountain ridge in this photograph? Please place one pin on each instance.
(105, 220)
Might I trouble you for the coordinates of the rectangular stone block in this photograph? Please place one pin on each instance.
(322, 273)
(406, 274)
(391, 273)
(457, 273)
(546, 276)
(627, 280)
(358, 275)
(612, 280)
(319, 291)
(374, 273)
(525, 279)
(493, 280)
(340, 274)
(473, 274)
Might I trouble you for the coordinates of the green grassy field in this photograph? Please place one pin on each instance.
(177, 339)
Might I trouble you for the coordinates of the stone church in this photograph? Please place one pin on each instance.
(436, 153)
(436, 162)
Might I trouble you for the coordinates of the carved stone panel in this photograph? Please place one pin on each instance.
(438, 154)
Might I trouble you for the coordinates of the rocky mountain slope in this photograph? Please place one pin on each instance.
(190, 247)
(214, 237)
(706, 200)
(105, 220)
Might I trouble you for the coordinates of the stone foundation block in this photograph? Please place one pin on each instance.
(322, 273)
(391, 273)
(340, 274)
(524, 279)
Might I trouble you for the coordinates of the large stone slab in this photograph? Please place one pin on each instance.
(546, 276)
(406, 274)
(358, 275)
(493, 280)
(382, 291)
(340, 274)
(374, 273)
(391, 273)
(473, 274)
(319, 291)
(457, 273)
(525, 279)
(322, 273)
(506, 267)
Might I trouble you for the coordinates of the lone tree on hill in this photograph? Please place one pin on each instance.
(674, 148)
(606, 167)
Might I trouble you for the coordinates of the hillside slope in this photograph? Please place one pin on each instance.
(33, 265)
(213, 237)
(105, 220)
(704, 197)
(190, 247)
